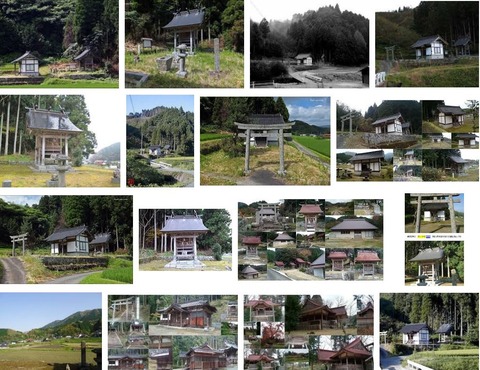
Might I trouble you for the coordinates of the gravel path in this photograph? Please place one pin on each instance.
(13, 271)
(72, 279)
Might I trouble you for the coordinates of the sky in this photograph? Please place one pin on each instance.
(26, 311)
(151, 101)
(313, 110)
(270, 10)
(102, 120)
(21, 199)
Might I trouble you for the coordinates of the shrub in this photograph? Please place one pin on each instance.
(266, 71)
(431, 174)
(217, 251)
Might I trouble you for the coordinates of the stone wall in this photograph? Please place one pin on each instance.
(66, 263)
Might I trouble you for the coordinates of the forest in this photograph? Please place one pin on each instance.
(59, 28)
(409, 109)
(224, 18)
(402, 27)
(329, 34)
(434, 309)
(15, 138)
(218, 239)
(99, 213)
(165, 126)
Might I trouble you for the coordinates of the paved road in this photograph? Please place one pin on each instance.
(71, 279)
(390, 362)
(13, 272)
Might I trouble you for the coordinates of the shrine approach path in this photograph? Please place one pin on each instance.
(13, 271)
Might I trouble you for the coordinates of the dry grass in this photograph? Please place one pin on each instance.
(85, 176)
(436, 227)
(298, 275)
(159, 265)
(354, 243)
(219, 169)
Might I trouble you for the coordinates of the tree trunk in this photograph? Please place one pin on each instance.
(16, 125)
(1, 130)
(7, 127)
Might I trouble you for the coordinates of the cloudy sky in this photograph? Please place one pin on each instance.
(21, 199)
(313, 110)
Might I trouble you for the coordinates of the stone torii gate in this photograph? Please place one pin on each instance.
(348, 117)
(265, 128)
(18, 238)
(435, 198)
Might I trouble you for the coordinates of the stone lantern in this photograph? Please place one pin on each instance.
(182, 55)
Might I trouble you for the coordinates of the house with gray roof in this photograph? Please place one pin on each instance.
(414, 334)
(462, 45)
(100, 243)
(370, 162)
(444, 331)
(430, 47)
(450, 115)
(28, 64)
(304, 58)
(73, 240)
(356, 228)
(391, 125)
(187, 27)
(465, 140)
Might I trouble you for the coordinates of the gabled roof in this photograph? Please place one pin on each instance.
(259, 358)
(367, 256)
(465, 136)
(386, 119)
(458, 160)
(42, 119)
(339, 311)
(284, 237)
(204, 349)
(251, 240)
(319, 262)
(156, 353)
(65, 233)
(368, 307)
(249, 270)
(353, 349)
(425, 41)
(266, 119)
(445, 329)
(24, 56)
(462, 41)
(377, 154)
(192, 17)
(184, 223)
(337, 255)
(310, 209)
(184, 307)
(354, 224)
(303, 56)
(450, 109)
(413, 328)
(82, 55)
(261, 302)
(101, 238)
(429, 254)
(279, 264)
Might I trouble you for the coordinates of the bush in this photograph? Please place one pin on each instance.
(266, 71)
(431, 174)
(217, 251)
(232, 148)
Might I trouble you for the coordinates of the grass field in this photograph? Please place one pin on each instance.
(46, 356)
(84, 176)
(469, 125)
(461, 74)
(218, 168)
(213, 136)
(317, 144)
(200, 68)
(184, 163)
(159, 265)
(458, 359)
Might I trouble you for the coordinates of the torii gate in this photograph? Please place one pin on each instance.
(18, 238)
(444, 198)
(268, 131)
(347, 117)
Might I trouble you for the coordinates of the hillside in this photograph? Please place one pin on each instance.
(303, 128)
(87, 317)
(9, 333)
(109, 153)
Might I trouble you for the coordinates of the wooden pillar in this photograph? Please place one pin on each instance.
(66, 146)
(282, 154)
(174, 40)
(174, 248)
(451, 209)
(419, 214)
(350, 123)
(43, 150)
(195, 247)
(247, 152)
(191, 41)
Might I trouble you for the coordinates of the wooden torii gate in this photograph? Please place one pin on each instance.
(438, 198)
(18, 238)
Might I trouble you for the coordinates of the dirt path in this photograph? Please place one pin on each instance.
(71, 279)
(260, 177)
(389, 362)
(13, 271)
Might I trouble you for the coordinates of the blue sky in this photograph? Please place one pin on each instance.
(459, 206)
(313, 110)
(151, 101)
(21, 199)
(26, 311)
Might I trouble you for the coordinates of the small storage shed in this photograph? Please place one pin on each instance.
(415, 334)
(430, 47)
(304, 58)
(462, 45)
(466, 140)
(356, 228)
(370, 162)
(457, 164)
(450, 115)
(72, 240)
(28, 65)
(100, 243)
(389, 125)
(84, 60)
(318, 267)
(444, 331)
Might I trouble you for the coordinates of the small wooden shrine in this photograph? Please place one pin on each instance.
(52, 130)
(251, 244)
(186, 26)
(196, 314)
(183, 231)
(311, 212)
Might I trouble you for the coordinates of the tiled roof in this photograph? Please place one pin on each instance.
(354, 224)
(193, 17)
